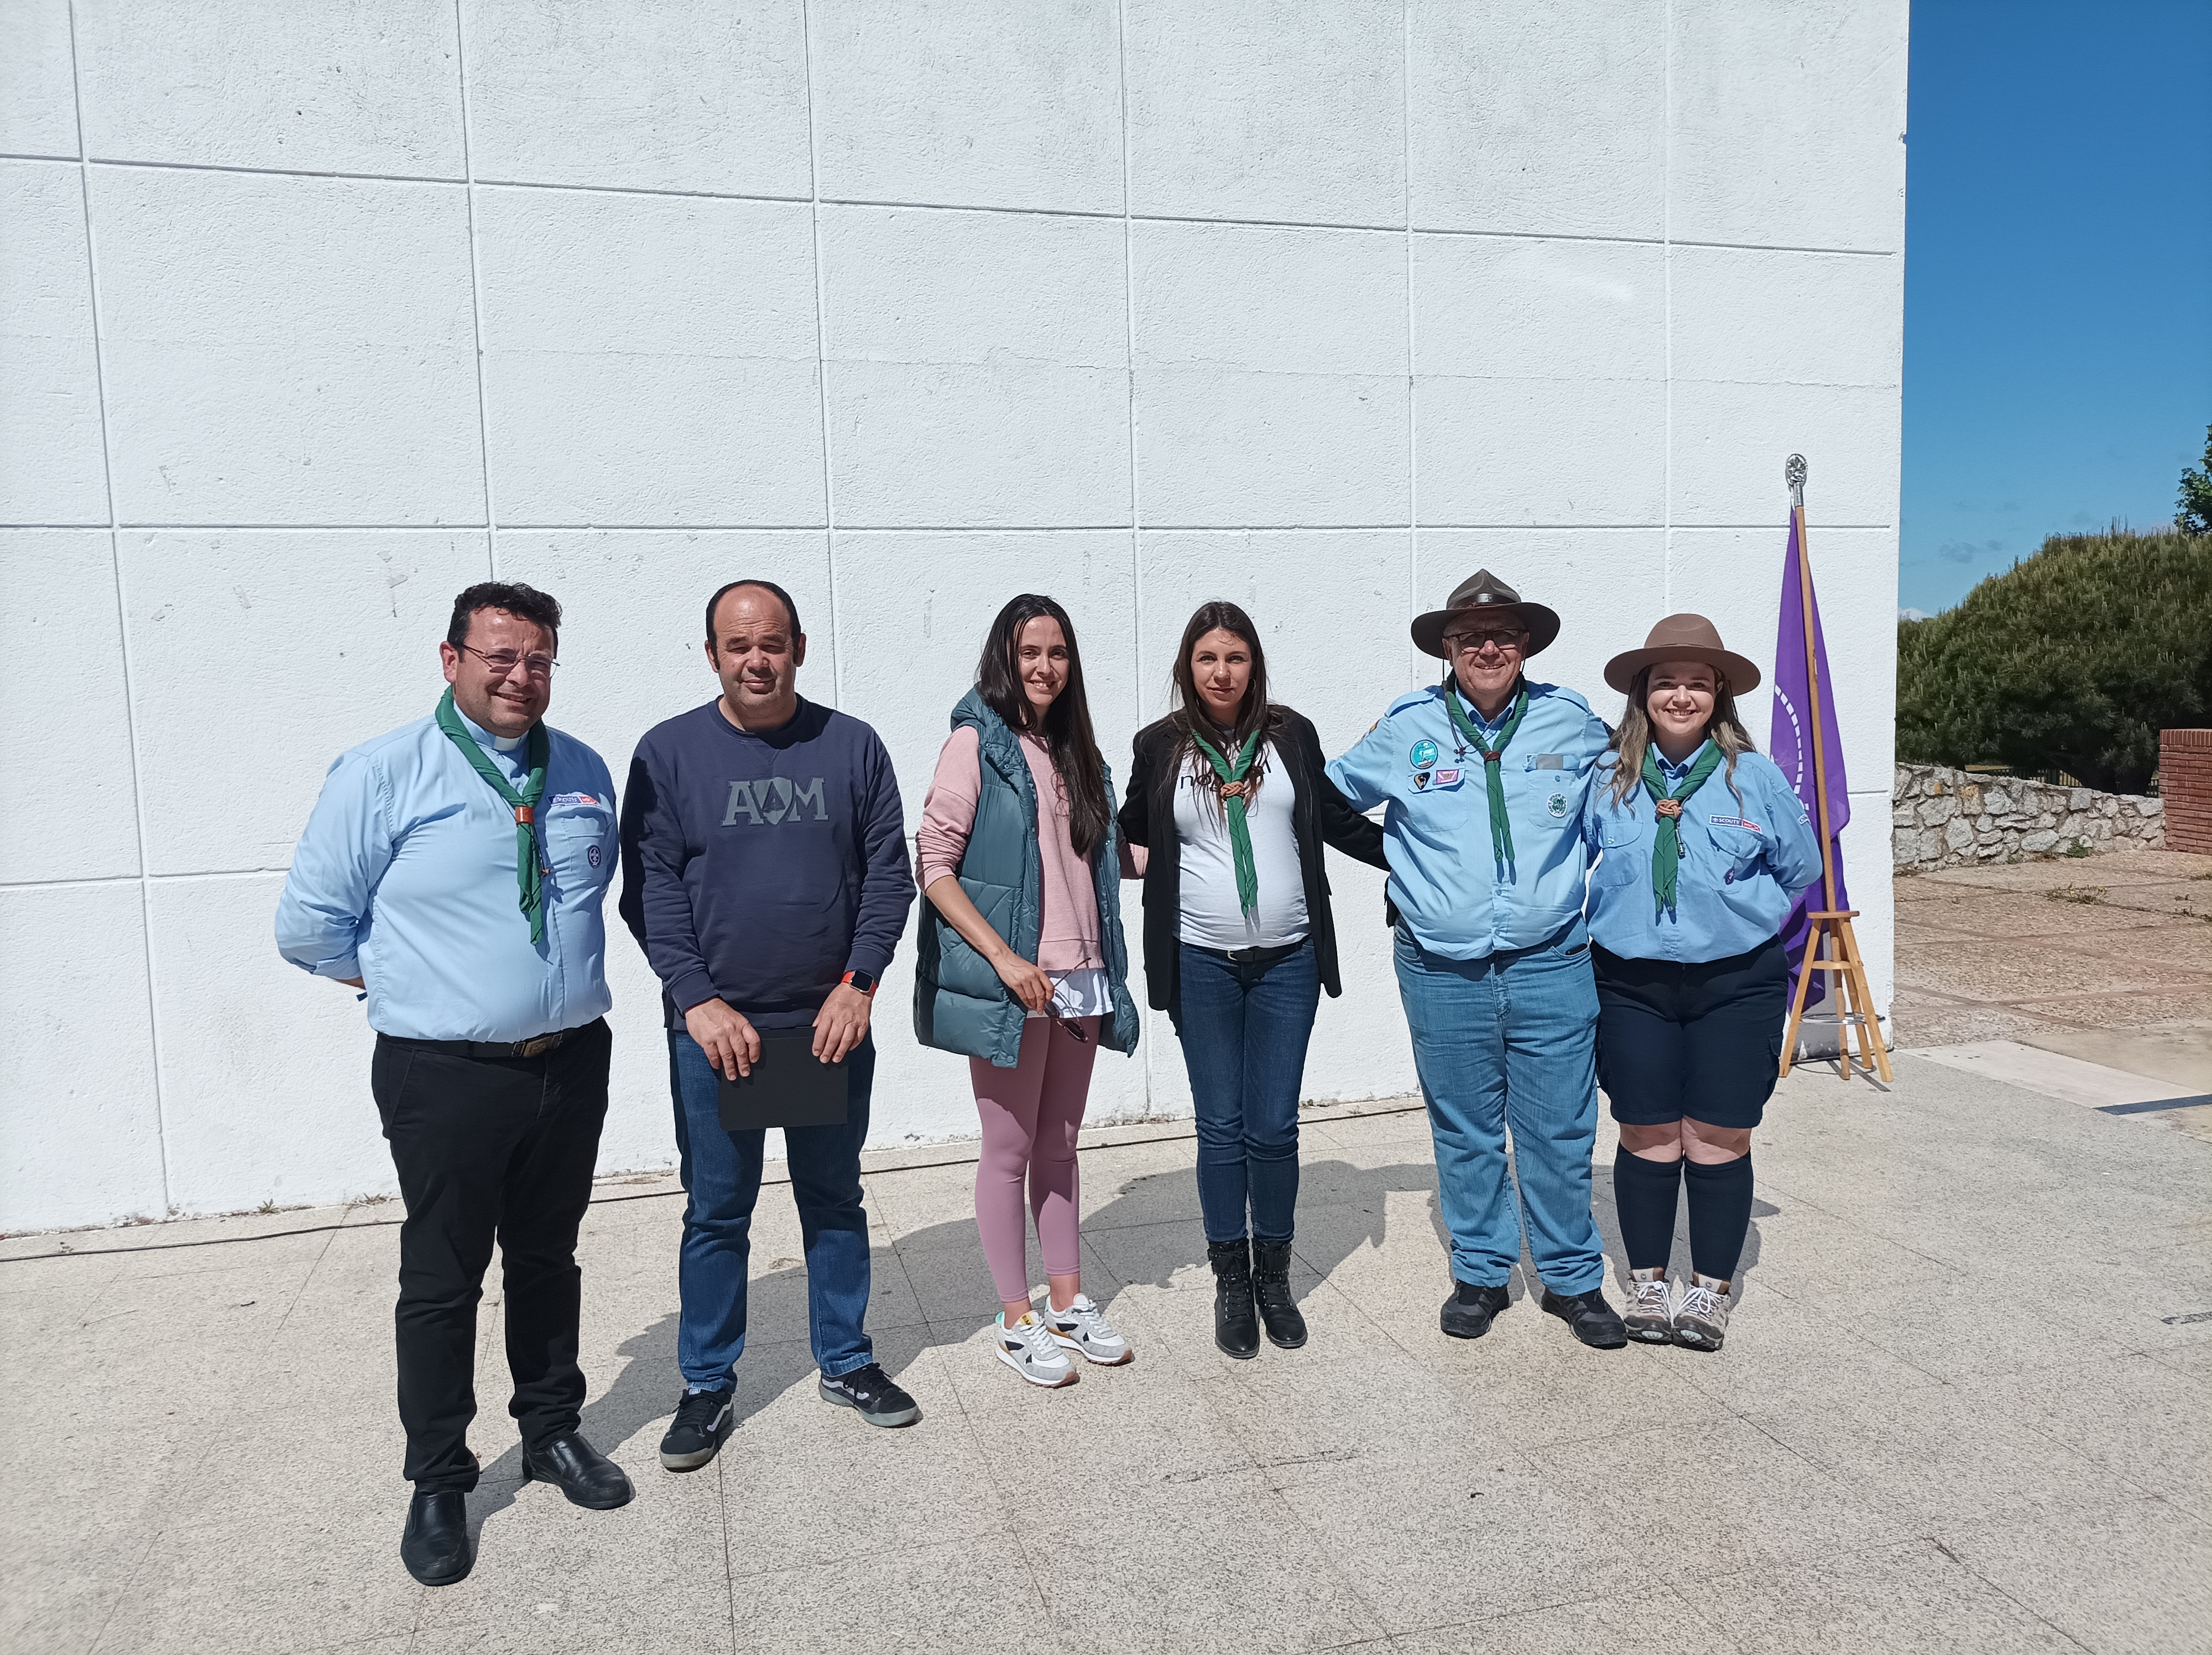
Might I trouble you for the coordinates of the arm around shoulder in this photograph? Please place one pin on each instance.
(1340, 825)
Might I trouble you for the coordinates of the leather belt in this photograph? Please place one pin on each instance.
(536, 1046)
(1254, 955)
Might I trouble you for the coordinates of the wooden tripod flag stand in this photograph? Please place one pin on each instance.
(1829, 944)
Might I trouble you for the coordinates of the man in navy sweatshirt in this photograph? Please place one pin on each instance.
(764, 872)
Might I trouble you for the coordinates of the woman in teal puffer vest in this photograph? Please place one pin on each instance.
(1020, 964)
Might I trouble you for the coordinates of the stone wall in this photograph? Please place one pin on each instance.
(1942, 818)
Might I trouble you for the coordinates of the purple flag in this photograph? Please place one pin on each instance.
(1790, 742)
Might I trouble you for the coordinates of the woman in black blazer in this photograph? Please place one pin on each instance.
(1229, 799)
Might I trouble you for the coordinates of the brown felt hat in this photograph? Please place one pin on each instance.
(1483, 590)
(1683, 637)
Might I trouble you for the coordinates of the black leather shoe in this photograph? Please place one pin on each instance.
(578, 1470)
(1236, 1327)
(1595, 1322)
(1271, 1286)
(1470, 1310)
(436, 1548)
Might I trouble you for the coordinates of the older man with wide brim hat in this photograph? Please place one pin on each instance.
(1483, 776)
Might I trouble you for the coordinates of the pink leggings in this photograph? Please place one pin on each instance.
(1031, 1115)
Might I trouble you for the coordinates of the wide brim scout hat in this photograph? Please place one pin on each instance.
(1483, 590)
(1683, 637)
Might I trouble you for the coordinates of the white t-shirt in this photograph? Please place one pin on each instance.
(1209, 915)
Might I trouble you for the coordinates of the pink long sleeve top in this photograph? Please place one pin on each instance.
(1068, 940)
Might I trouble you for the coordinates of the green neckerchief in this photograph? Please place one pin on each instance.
(1501, 827)
(1232, 803)
(1667, 849)
(524, 804)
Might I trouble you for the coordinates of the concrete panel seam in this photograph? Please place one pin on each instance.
(476, 294)
(1667, 316)
(122, 617)
(274, 171)
(1129, 338)
(1412, 361)
(822, 350)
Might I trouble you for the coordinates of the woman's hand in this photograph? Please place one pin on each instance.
(1023, 980)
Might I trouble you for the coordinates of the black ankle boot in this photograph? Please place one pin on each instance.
(1235, 1329)
(1271, 1285)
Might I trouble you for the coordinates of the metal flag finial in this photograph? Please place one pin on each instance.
(1793, 473)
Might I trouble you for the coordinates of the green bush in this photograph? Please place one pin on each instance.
(2074, 659)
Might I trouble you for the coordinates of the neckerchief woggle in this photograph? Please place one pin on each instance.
(1233, 791)
(1667, 848)
(524, 804)
(1501, 827)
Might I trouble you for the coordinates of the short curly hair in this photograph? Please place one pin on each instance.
(527, 601)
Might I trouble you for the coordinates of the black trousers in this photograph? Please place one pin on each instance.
(489, 1148)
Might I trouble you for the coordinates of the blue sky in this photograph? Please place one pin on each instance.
(2058, 275)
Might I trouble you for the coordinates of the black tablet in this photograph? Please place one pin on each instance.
(788, 1086)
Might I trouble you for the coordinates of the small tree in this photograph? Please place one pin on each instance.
(2075, 658)
(2193, 514)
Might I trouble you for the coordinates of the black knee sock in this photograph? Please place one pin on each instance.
(1720, 1215)
(1645, 1193)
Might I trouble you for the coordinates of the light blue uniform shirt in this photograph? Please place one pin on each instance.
(1444, 876)
(405, 879)
(1743, 864)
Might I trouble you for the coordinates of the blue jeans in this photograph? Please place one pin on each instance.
(1244, 1029)
(1510, 1040)
(722, 1173)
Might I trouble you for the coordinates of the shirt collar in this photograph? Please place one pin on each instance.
(1674, 772)
(498, 744)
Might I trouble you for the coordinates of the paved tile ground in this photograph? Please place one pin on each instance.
(1961, 1408)
(2042, 951)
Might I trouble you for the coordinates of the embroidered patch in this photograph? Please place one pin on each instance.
(1445, 778)
(1733, 821)
(1420, 780)
(1423, 755)
(592, 855)
(574, 799)
(1557, 804)
(1729, 878)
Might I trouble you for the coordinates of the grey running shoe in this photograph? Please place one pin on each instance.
(1701, 1319)
(1083, 1327)
(1029, 1348)
(1649, 1312)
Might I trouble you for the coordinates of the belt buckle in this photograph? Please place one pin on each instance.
(542, 1043)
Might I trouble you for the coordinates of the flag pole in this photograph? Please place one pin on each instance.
(1829, 944)
(1793, 473)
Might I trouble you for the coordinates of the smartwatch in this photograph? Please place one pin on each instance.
(864, 980)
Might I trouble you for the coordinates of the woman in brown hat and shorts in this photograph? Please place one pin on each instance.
(1704, 847)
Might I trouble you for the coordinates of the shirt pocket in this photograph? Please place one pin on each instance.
(579, 846)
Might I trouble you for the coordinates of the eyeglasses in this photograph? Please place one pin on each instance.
(1468, 643)
(502, 662)
(1071, 1023)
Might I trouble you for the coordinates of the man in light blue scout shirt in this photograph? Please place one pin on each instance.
(455, 869)
(1483, 774)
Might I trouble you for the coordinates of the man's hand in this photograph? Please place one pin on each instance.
(842, 1024)
(731, 1046)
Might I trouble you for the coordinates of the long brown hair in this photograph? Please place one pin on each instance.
(1723, 729)
(1065, 728)
(1255, 714)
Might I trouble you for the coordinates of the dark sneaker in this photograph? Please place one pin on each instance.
(869, 1392)
(1592, 1320)
(703, 1420)
(1468, 1312)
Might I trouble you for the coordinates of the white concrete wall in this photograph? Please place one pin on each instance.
(314, 311)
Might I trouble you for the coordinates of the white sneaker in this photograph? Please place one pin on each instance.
(1650, 1312)
(1083, 1326)
(1027, 1348)
(1701, 1319)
